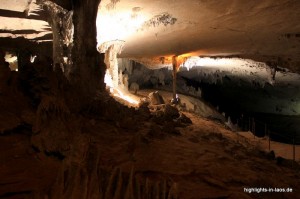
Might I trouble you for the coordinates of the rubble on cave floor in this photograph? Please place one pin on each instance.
(187, 103)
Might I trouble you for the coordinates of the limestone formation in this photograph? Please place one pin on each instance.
(155, 98)
(134, 87)
(64, 136)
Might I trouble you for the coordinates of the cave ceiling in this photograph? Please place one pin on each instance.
(259, 29)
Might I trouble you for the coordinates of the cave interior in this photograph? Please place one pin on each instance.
(113, 99)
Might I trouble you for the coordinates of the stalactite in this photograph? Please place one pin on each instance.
(61, 23)
(176, 63)
(111, 50)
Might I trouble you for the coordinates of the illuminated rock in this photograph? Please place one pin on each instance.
(155, 98)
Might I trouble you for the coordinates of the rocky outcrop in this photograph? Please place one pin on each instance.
(155, 98)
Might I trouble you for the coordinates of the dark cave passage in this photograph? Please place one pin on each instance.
(229, 99)
(230, 95)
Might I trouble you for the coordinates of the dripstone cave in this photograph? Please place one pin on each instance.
(120, 99)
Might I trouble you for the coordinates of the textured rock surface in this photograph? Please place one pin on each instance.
(155, 98)
(262, 30)
(63, 137)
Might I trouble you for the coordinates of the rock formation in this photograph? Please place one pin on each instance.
(63, 136)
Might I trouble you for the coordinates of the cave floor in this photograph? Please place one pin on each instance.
(206, 160)
(281, 149)
(200, 108)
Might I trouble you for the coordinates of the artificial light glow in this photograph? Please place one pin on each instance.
(186, 55)
(117, 92)
(195, 61)
(32, 58)
(254, 71)
(108, 81)
(10, 57)
(117, 25)
(65, 60)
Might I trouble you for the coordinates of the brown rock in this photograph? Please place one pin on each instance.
(171, 112)
(155, 98)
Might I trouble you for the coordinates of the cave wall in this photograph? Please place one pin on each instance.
(143, 76)
(52, 101)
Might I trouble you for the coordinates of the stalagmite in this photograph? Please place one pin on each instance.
(114, 80)
(111, 50)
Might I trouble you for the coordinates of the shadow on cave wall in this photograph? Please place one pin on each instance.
(232, 96)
